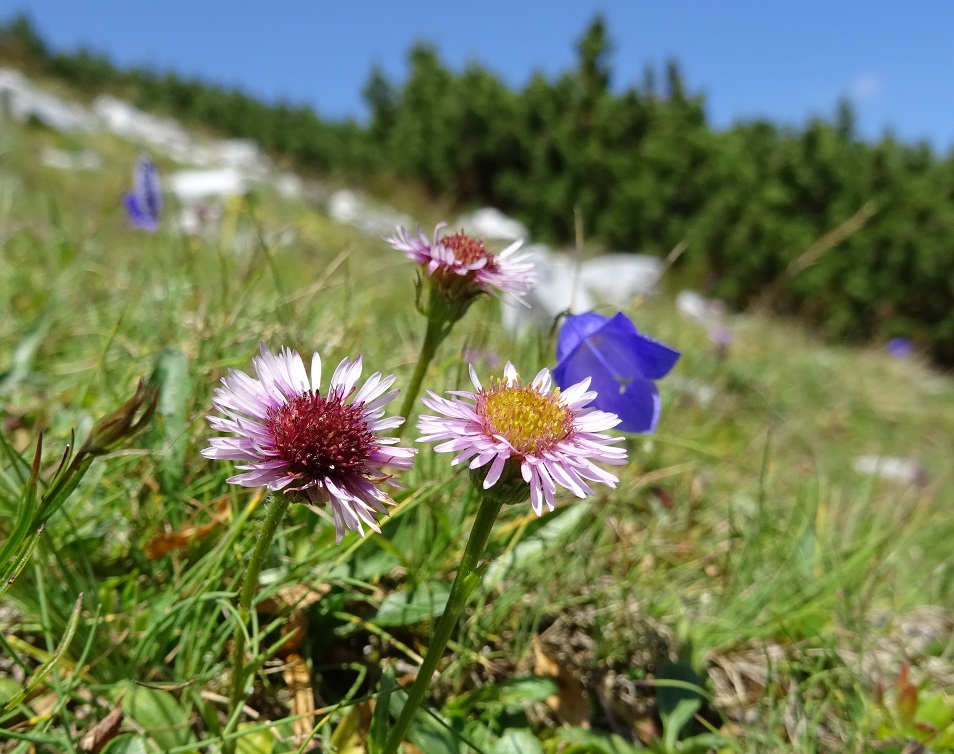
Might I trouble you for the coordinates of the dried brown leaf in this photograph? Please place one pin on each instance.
(298, 596)
(569, 703)
(165, 542)
(103, 732)
(298, 680)
(352, 731)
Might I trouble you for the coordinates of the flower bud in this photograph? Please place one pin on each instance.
(124, 422)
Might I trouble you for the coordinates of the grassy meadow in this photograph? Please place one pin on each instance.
(743, 590)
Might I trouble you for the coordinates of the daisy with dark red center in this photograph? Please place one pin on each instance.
(326, 447)
(529, 436)
(463, 266)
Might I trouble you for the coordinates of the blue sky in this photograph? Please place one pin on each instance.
(782, 60)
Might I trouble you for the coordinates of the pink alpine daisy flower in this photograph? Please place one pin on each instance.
(290, 437)
(528, 435)
(462, 266)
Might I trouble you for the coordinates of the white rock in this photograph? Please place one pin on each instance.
(617, 279)
(167, 136)
(243, 155)
(701, 392)
(351, 208)
(189, 221)
(695, 306)
(64, 159)
(200, 218)
(344, 207)
(904, 470)
(566, 284)
(289, 186)
(492, 224)
(239, 153)
(21, 101)
(191, 186)
(160, 134)
(558, 289)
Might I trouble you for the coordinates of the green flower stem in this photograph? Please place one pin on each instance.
(437, 330)
(274, 514)
(464, 583)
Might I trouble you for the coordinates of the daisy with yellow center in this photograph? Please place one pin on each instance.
(525, 435)
(519, 439)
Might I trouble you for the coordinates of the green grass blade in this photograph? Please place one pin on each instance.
(44, 670)
(26, 511)
(11, 574)
(169, 428)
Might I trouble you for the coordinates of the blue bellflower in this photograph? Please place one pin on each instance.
(144, 203)
(899, 348)
(621, 363)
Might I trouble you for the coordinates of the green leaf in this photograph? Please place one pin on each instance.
(128, 743)
(259, 742)
(535, 546)
(8, 688)
(597, 743)
(805, 555)
(26, 511)
(22, 558)
(675, 720)
(23, 355)
(378, 733)
(426, 733)
(679, 701)
(349, 732)
(516, 741)
(413, 605)
(25, 516)
(479, 739)
(668, 696)
(370, 563)
(159, 714)
(169, 425)
(937, 713)
(510, 692)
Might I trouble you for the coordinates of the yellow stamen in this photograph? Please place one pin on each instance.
(527, 419)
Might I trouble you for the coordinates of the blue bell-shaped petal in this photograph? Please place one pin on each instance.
(621, 363)
(144, 203)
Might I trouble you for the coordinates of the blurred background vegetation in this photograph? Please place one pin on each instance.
(852, 237)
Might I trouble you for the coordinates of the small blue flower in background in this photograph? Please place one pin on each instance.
(899, 348)
(722, 338)
(621, 363)
(144, 203)
(471, 355)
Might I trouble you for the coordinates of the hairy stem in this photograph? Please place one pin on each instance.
(464, 583)
(275, 512)
(437, 330)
